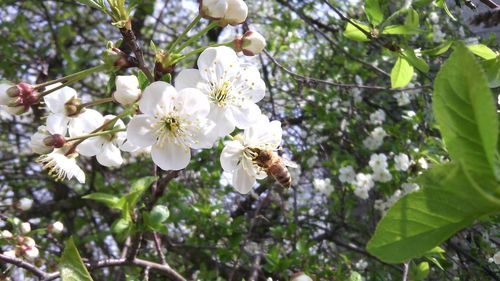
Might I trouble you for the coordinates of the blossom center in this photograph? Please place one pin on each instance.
(219, 94)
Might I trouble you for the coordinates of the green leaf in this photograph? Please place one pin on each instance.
(419, 272)
(355, 276)
(401, 29)
(93, 3)
(421, 220)
(440, 49)
(482, 51)
(401, 73)
(465, 111)
(158, 215)
(442, 4)
(417, 62)
(143, 79)
(352, 32)
(107, 199)
(412, 19)
(374, 12)
(492, 71)
(71, 266)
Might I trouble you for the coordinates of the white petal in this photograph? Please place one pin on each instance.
(92, 146)
(85, 122)
(214, 8)
(237, 12)
(171, 156)
(128, 147)
(242, 181)
(256, 87)
(55, 101)
(157, 97)
(244, 116)
(4, 98)
(139, 131)
(57, 123)
(110, 156)
(188, 78)
(193, 102)
(204, 137)
(218, 63)
(223, 126)
(264, 133)
(231, 155)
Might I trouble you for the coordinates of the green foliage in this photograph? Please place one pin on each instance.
(415, 61)
(71, 266)
(401, 30)
(455, 194)
(373, 12)
(353, 32)
(482, 51)
(419, 272)
(401, 73)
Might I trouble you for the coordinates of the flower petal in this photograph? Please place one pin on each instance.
(85, 122)
(244, 116)
(57, 123)
(139, 131)
(223, 126)
(91, 146)
(55, 101)
(193, 102)
(231, 155)
(110, 156)
(157, 97)
(170, 156)
(254, 85)
(242, 181)
(218, 63)
(188, 78)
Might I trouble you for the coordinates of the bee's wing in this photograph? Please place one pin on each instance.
(289, 163)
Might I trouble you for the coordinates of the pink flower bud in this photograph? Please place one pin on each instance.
(251, 44)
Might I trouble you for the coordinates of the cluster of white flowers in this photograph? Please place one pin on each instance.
(406, 188)
(377, 117)
(375, 139)
(347, 174)
(323, 186)
(403, 98)
(203, 105)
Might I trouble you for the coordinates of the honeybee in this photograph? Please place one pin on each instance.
(273, 164)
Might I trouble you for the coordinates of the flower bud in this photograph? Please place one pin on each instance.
(31, 252)
(25, 227)
(24, 204)
(13, 91)
(56, 227)
(27, 241)
(55, 140)
(300, 276)
(236, 13)
(17, 99)
(5, 234)
(127, 89)
(251, 44)
(213, 9)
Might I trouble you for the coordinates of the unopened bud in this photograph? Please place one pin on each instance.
(251, 43)
(25, 227)
(13, 91)
(28, 241)
(56, 227)
(55, 140)
(212, 10)
(31, 252)
(24, 204)
(236, 13)
(127, 89)
(5, 234)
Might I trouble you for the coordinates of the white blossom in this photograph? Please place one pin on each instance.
(127, 89)
(236, 157)
(361, 265)
(401, 162)
(372, 143)
(364, 182)
(37, 143)
(377, 117)
(25, 227)
(347, 174)
(172, 123)
(61, 119)
(409, 187)
(24, 204)
(378, 162)
(62, 166)
(433, 17)
(56, 227)
(323, 185)
(5, 234)
(231, 88)
(423, 163)
(382, 175)
(496, 258)
(403, 98)
(107, 147)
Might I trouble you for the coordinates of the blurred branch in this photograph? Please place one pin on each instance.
(28, 266)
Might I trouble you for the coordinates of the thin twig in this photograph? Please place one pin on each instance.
(130, 39)
(23, 264)
(406, 270)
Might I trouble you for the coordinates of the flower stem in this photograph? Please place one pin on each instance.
(95, 102)
(75, 76)
(209, 27)
(96, 134)
(66, 83)
(183, 34)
